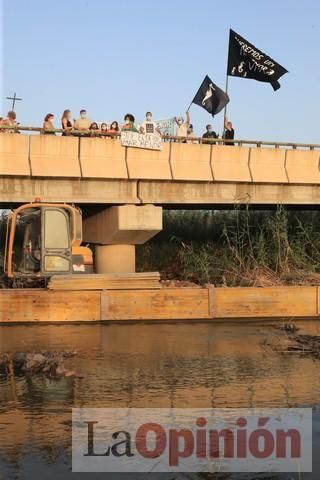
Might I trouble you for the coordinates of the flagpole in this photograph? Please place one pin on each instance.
(227, 86)
(225, 108)
(189, 106)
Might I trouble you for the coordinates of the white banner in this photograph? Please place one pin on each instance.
(167, 126)
(151, 141)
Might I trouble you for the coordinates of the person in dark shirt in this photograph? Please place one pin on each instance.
(228, 132)
(210, 134)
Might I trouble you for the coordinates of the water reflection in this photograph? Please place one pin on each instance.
(145, 365)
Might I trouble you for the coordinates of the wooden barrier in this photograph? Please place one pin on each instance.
(52, 156)
(191, 162)
(266, 167)
(102, 158)
(303, 166)
(164, 304)
(14, 154)
(49, 306)
(149, 164)
(230, 164)
(269, 302)
(167, 304)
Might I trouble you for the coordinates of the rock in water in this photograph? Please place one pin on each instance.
(48, 363)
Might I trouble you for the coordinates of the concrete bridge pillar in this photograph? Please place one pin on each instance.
(116, 231)
(115, 259)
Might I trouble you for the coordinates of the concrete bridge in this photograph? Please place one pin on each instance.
(100, 171)
(121, 189)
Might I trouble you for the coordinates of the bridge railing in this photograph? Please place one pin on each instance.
(166, 138)
(85, 156)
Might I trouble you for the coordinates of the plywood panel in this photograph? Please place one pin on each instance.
(149, 164)
(53, 156)
(191, 162)
(175, 303)
(268, 165)
(230, 164)
(303, 166)
(14, 154)
(102, 158)
(51, 306)
(266, 302)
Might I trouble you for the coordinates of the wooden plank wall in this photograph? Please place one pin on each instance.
(266, 302)
(53, 306)
(164, 304)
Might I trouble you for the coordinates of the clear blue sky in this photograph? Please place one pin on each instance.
(115, 57)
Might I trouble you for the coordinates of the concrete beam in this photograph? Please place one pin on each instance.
(16, 190)
(123, 225)
(214, 194)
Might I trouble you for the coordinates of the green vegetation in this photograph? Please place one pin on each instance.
(239, 247)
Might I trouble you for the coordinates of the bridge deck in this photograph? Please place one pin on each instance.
(102, 171)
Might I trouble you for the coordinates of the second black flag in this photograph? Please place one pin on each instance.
(210, 97)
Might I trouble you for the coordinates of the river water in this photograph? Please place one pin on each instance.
(145, 365)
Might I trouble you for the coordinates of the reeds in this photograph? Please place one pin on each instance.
(238, 247)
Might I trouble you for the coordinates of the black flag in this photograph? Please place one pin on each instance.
(246, 61)
(210, 97)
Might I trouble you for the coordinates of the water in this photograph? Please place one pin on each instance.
(143, 365)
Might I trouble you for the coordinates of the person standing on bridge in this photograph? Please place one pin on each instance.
(10, 121)
(210, 134)
(149, 126)
(182, 126)
(129, 125)
(191, 135)
(48, 126)
(66, 123)
(83, 123)
(114, 128)
(228, 132)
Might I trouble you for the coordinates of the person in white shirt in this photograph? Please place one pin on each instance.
(182, 126)
(149, 126)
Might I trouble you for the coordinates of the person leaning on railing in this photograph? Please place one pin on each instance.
(114, 129)
(94, 129)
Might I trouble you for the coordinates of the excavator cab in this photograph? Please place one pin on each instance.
(43, 240)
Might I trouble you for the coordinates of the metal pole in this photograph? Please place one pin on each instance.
(225, 108)
(189, 106)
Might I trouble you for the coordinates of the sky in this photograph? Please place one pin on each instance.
(115, 57)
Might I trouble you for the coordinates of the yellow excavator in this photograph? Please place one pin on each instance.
(42, 240)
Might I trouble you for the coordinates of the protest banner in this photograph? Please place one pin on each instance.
(151, 141)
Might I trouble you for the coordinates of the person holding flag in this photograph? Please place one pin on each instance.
(182, 126)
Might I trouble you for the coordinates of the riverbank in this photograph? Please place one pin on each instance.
(236, 248)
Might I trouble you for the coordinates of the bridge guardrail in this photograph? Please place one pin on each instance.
(168, 138)
(85, 156)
